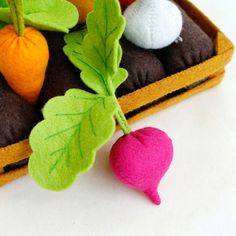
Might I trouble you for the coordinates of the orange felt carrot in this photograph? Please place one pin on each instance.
(24, 55)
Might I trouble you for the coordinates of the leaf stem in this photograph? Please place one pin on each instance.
(120, 117)
(17, 14)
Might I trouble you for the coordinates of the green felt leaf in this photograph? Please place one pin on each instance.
(54, 15)
(119, 77)
(91, 77)
(98, 53)
(65, 143)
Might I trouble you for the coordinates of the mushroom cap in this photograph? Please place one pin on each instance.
(154, 24)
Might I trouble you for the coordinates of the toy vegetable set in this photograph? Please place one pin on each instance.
(71, 71)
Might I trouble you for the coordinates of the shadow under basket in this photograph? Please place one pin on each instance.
(150, 99)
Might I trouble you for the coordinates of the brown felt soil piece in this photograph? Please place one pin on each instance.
(17, 117)
(196, 47)
(143, 66)
(61, 75)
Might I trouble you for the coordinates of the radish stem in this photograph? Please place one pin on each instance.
(17, 14)
(120, 117)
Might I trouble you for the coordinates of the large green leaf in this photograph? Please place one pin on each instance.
(90, 76)
(65, 143)
(55, 15)
(98, 53)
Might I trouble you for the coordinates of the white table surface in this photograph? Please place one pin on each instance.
(198, 193)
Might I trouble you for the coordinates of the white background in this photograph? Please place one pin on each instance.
(198, 193)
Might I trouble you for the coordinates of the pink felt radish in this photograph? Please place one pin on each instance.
(141, 158)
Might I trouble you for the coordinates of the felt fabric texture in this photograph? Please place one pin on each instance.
(224, 50)
(61, 75)
(215, 79)
(96, 50)
(65, 143)
(6, 178)
(76, 125)
(167, 97)
(24, 61)
(17, 16)
(100, 49)
(141, 158)
(195, 47)
(153, 24)
(149, 110)
(45, 14)
(17, 117)
(142, 65)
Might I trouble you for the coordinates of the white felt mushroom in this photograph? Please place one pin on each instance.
(153, 24)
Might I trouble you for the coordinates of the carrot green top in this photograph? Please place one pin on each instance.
(54, 15)
(17, 14)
